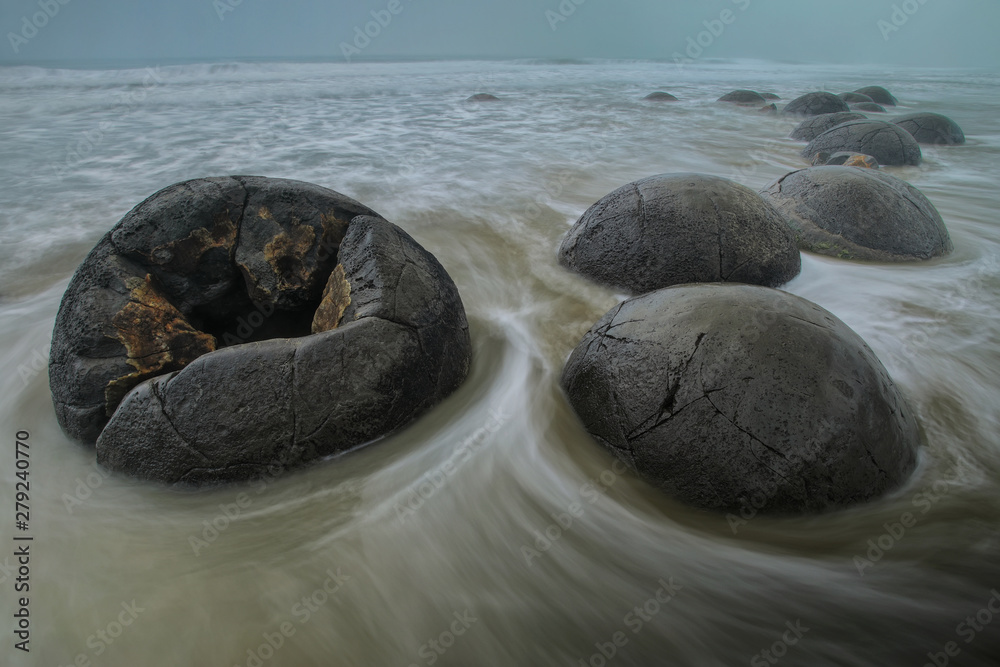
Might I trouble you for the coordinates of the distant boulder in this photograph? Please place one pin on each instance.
(931, 128)
(859, 214)
(483, 97)
(660, 96)
(770, 110)
(868, 106)
(743, 97)
(812, 127)
(814, 104)
(770, 96)
(889, 144)
(854, 98)
(681, 228)
(879, 95)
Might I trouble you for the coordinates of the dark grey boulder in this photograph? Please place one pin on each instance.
(660, 96)
(879, 95)
(743, 97)
(887, 143)
(868, 106)
(812, 127)
(854, 98)
(732, 396)
(769, 110)
(183, 341)
(681, 228)
(483, 97)
(931, 128)
(770, 96)
(814, 104)
(845, 159)
(859, 214)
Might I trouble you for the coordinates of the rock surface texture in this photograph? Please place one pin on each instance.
(229, 325)
(812, 127)
(732, 396)
(681, 228)
(814, 104)
(890, 144)
(859, 214)
(931, 128)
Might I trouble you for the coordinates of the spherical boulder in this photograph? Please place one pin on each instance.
(769, 110)
(854, 98)
(681, 228)
(859, 214)
(483, 97)
(931, 128)
(770, 96)
(887, 143)
(812, 127)
(660, 96)
(732, 396)
(743, 97)
(229, 325)
(868, 106)
(814, 104)
(879, 95)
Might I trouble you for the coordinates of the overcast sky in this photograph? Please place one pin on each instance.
(945, 33)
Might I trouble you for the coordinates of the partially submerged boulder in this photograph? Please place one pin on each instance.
(743, 97)
(814, 104)
(814, 126)
(227, 325)
(879, 95)
(483, 97)
(859, 214)
(730, 395)
(870, 107)
(660, 96)
(931, 128)
(769, 110)
(770, 96)
(681, 228)
(887, 143)
(854, 98)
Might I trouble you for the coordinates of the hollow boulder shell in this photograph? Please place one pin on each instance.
(230, 325)
(681, 228)
(859, 214)
(729, 397)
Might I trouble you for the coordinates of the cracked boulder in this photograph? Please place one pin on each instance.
(815, 104)
(859, 214)
(814, 126)
(744, 98)
(681, 228)
(227, 327)
(871, 107)
(931, 128)
(879, 95)
(890, 144)
(732, 396)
